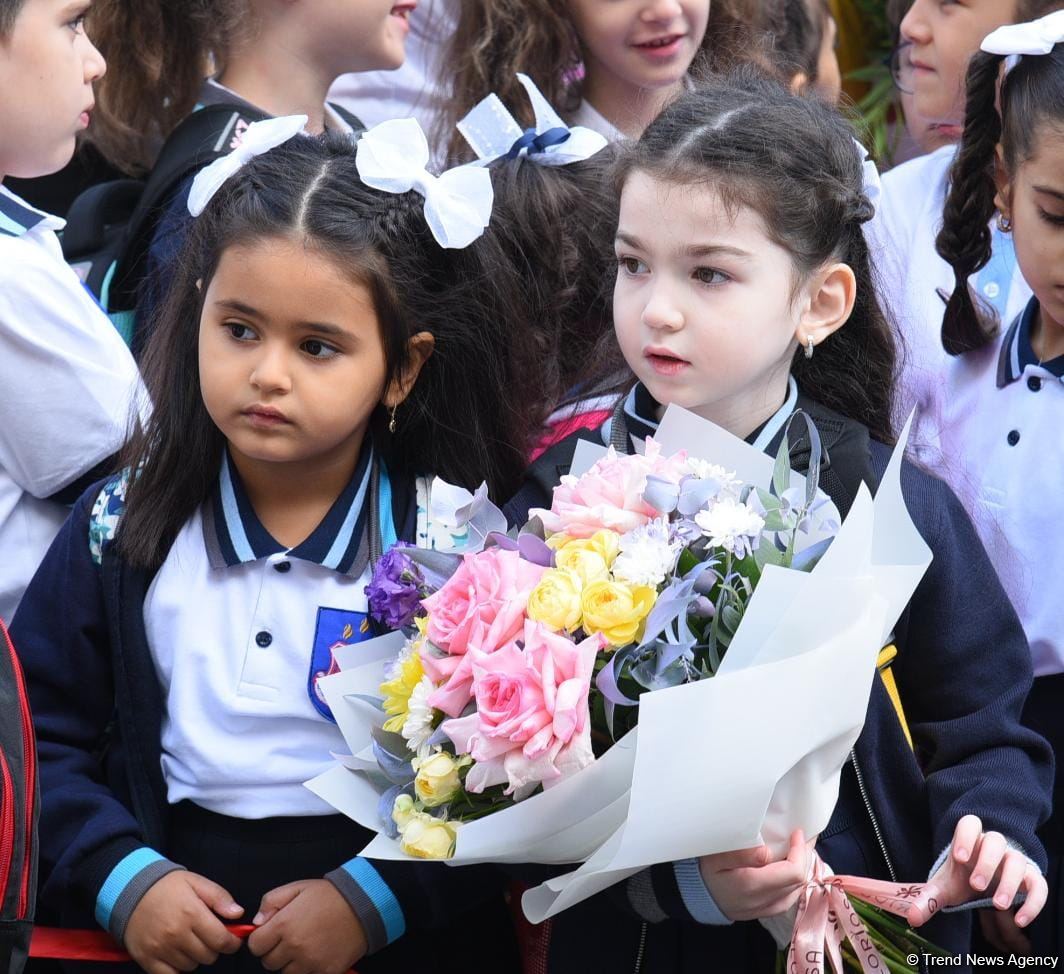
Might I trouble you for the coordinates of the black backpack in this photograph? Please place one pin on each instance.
(110, 226)
(19, 808)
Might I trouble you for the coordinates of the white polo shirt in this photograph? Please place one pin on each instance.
(911, 274)
(67, 384)
(240, 628)
(999, 416)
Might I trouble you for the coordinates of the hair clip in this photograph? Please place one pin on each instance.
(258, 139)
(493, 132)
(1038, 37)
(393, 157)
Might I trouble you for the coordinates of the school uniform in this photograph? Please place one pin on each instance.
(998, 413)
(963, 670)
(178, 716)
(914, 282)
(66, 390)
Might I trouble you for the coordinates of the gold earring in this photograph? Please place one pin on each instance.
(391, 422)
(1004, 223)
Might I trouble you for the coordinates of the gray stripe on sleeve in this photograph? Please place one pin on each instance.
(362, 905)
(134, 892)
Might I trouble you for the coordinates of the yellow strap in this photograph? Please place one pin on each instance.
(886, 659)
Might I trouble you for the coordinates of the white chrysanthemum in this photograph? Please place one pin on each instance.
(393, 669)
(730, 485)
(417, 729)
(732, 526)
(647, 555)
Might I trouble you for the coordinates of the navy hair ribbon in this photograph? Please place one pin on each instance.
(538, 143)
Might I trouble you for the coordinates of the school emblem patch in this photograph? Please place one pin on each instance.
(335, 629)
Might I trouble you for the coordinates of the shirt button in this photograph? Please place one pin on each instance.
(992, 290)
(282, 567)
(1014, 437)
(1034, 383)
(263, 638)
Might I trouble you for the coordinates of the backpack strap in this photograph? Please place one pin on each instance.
(357, 125)
(107, 510)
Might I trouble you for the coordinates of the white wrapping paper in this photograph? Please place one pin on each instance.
(729, 762)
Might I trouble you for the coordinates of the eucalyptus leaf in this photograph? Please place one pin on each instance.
(781, 469)
(807, 558)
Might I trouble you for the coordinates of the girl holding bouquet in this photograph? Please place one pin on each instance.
(744, 292)
(993, 410)
(328, 341)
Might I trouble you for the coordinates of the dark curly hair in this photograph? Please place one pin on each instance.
(1031, 96)
(467, 417)
(792, 160)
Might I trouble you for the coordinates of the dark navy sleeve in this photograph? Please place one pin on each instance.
(93, 859)
(964, 671)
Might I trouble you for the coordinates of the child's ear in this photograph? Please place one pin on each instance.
(419, 350)
(1003, 198)
(831, 294)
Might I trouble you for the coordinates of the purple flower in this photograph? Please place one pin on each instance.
(397, 588)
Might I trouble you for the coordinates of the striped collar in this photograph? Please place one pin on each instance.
(234, 535)
(17, 217)
(1017, 352)
(641, 409)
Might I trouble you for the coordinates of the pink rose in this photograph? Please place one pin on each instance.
(481, 607)
(610, 494)
(532, 723)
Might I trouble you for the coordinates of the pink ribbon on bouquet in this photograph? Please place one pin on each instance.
(826, 920)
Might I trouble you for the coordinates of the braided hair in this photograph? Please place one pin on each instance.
(1031, 95)
(792, 160)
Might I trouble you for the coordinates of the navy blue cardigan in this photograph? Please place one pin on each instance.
(963, 670)
(97, 707)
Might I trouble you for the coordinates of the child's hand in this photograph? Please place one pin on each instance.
(1001, 932)
(750, 884)
(979, 862)
(175, 926)
(307, 927)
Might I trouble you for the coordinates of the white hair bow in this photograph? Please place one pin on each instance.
(1033, 38)
(394, 156)
(258, 138)
(873, 185)
(493, 132)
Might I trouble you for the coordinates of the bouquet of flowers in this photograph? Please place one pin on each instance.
(546, 694)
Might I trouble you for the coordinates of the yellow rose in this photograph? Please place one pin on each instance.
(402, 811)
(437, 780)
(616, 610)
(425, 837)
(591, 558)
(555, 601)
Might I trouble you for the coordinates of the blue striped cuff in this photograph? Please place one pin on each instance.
(125, 885)
(372, 900)
(696, 896)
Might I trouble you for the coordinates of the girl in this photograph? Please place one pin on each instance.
(609, 65)
(995, 403)
(319, 351)
(914, 282)
(744, 291)
(256, 57)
